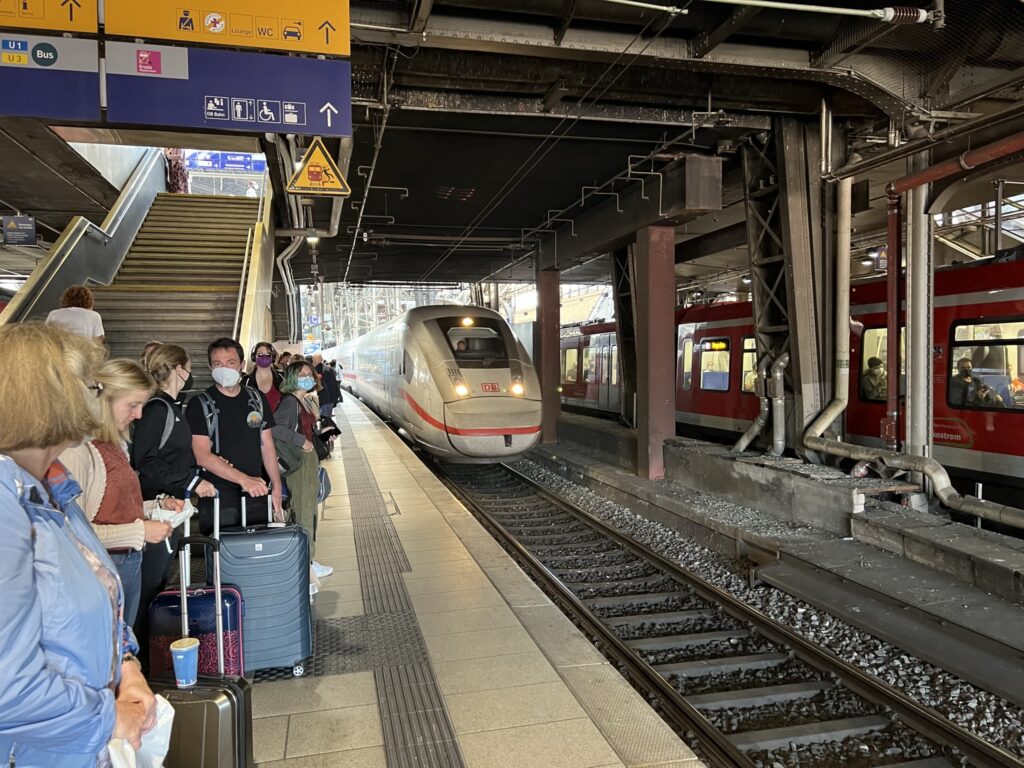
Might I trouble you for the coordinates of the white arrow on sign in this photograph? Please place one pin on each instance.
(331, 110)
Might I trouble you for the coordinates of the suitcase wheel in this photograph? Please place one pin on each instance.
(298, 670)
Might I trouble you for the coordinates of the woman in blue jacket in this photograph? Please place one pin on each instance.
(69, 680)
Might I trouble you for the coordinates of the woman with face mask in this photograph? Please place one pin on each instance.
(296, 419)
(161, 454)
(111, 494)
(264, 376)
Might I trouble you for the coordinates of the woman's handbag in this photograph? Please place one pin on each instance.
(289, 456)
(322, 450)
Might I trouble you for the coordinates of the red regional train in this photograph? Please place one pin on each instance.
(977, 358)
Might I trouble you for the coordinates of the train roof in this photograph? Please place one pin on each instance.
(437, 311)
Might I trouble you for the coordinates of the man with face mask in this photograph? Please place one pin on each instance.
(231, 437)
(873, 382)
(330, 395)
(961, 385)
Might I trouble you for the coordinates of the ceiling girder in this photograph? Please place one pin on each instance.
(717, 34)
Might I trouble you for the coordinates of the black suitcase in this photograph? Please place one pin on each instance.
(270, 565)
(213, 720)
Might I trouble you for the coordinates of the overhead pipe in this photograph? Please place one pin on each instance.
(760, 387)
(891, 15)
(890, 427)
(968, 161)
(779, 404)
(812, 439)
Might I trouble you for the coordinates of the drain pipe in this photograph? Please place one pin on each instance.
(894, 258)
(813, 439)
(778, 394)
(760, 385)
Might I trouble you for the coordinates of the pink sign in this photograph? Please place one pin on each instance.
(147, 62)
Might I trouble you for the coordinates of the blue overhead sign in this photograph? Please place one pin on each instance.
(19, 230)
(49, 77)
(225, 161)
(228, 90)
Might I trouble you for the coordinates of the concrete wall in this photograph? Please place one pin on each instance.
(115, 163)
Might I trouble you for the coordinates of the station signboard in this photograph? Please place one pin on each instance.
(51, 15)
(310, 26)
(49, 77)
(18, 230)
(227, 90)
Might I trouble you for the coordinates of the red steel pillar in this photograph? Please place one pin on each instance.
(655, 286)
(546, 351)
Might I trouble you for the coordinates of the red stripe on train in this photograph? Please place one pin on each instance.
(480, 432)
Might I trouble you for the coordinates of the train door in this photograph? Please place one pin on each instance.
(614, 391)
(604, 379)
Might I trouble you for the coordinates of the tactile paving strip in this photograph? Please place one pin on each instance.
(418, 733)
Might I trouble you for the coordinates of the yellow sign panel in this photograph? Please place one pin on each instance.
(311, 26)
(56, 15)
(318, 174)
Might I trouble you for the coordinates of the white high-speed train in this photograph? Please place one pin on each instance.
(454, 379)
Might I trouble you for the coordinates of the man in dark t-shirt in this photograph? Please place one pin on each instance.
(240, 457)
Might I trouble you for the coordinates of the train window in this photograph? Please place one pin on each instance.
(987, 365)
(714, 364)
(749, 361)
(686, 365)
(874, 364)
(589, 364)
(572, 357)
(479, 345)
(615, 365)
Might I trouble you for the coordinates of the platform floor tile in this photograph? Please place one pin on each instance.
(564, 744)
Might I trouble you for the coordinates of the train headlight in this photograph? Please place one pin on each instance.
(517, 388)
(461, 390)
(467, 321)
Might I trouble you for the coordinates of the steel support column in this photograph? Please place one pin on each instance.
(655, 323)
(546, 350)
(919, 317)
(625, 329)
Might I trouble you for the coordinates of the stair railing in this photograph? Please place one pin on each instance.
(86, 253)
(252, 312)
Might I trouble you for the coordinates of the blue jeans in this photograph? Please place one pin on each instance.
(129, 567)
(327, 409)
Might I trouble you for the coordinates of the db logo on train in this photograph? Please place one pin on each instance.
(490, 388)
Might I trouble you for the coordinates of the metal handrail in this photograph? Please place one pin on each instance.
(243, 283)
(117, 231)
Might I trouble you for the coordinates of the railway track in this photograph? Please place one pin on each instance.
(752, 691)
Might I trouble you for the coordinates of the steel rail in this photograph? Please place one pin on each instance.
(684, 715)
(923, 719)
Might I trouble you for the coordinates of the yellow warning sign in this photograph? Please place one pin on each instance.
(318, 174)
(56, 15)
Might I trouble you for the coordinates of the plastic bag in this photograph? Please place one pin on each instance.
(154, 744)
(174, 518)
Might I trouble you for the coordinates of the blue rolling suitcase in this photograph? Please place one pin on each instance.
(270, 566)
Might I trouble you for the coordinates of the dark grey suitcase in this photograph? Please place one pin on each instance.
(270, 566)
(213, 720)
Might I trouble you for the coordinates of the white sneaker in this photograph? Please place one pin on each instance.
(320, 571)
(313, 589)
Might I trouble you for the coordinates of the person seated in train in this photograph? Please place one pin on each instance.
(1017, 390)
(961, 384)
(873, 381)
(983, 395)
(460, 346)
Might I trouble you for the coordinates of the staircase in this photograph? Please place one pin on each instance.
(179, 282)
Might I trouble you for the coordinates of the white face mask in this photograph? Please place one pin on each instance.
(226, 377)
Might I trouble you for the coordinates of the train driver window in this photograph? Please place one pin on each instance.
(749, 361)
(476, 342)
(685, 363)
(987, 365)
(571, 364)
(714, 364)
(874, 365)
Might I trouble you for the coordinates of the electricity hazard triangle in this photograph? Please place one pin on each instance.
(318, 174)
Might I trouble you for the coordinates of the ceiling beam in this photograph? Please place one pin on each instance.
(421, 16)
(568, 12)
(716, 34)
(720, 240)
(853, 35)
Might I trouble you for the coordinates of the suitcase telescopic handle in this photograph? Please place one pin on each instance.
(183, 564)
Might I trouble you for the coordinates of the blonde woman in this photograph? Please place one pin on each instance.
(69, 681)
(111, 494)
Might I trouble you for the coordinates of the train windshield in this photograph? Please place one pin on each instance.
(475, 342)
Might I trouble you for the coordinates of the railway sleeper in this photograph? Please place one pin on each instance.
(808, 733)
(645, 598)
(755, 697)
(703, 667)
(654, 619)
(670, 642)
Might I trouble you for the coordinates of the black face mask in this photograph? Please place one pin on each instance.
(965, 372)
(187, 383)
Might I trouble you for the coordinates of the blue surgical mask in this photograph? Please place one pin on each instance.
(306, 383)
